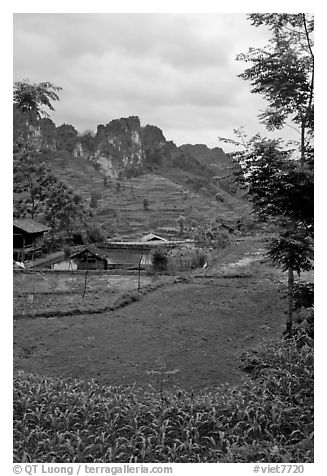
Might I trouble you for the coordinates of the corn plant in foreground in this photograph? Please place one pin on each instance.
(269, 419)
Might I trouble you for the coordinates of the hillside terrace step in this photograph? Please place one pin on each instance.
(165, 196)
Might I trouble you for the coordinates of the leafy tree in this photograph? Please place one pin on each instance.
(39, 194)
(95, 234)
(280, 187)
(30, 121)
(64, 210)
(283, 72)
(281, 190)
(32, 97)
(31, 181)
(292, 251)
(88, 141)
(280, 181)
(66, 137)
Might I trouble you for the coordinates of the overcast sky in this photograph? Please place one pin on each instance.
(175, 71)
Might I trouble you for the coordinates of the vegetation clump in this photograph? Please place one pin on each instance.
(186, 258)
(159, 261)
(267, 419)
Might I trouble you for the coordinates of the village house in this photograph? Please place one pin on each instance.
(28, 237)
(151, 237)
(89, 258)
(132, 254)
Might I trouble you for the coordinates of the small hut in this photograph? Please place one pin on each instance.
(89, 258)
(152, 237)
(28, 238)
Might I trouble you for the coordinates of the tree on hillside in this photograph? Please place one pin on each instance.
(64, 211)
(146, 204)
(37, 192)
(31, 98)
(66, 137)
(31, 182)
(282, 193)
(280, 178)
(28, 110)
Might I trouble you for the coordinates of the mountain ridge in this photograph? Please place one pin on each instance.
(124, 163)
(124, 147)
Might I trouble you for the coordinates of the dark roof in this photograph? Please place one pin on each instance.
(30, 226)
(94, 251)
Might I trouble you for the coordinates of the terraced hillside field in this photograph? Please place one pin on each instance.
(122, 209)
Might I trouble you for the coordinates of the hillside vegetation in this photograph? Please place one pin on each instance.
(133, 178)
(120, 205)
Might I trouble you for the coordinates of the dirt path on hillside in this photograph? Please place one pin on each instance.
(197, 330)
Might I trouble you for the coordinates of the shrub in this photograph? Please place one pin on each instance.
(146, 204)
(303, 327)
(159, 260)
(78, 238)
(186, 258)
(222, 239)
(95, 234)
(95, 197)
(303, 295)
(246, 225)
(96, 165)
(200, 259)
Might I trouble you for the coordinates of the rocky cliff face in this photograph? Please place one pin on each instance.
(124, 148)
(118, 146)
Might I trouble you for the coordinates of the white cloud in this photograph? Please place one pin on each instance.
(176, 71)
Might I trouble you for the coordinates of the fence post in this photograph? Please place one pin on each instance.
(139, 274)
(85, 282)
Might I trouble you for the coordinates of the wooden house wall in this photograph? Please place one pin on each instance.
(90, 261)
(22, 238)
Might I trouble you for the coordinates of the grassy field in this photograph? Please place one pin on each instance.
(197, 329)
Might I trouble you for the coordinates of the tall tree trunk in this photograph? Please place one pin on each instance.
(308, 109)
(289, 322)
(31, 192)
(302, 151)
